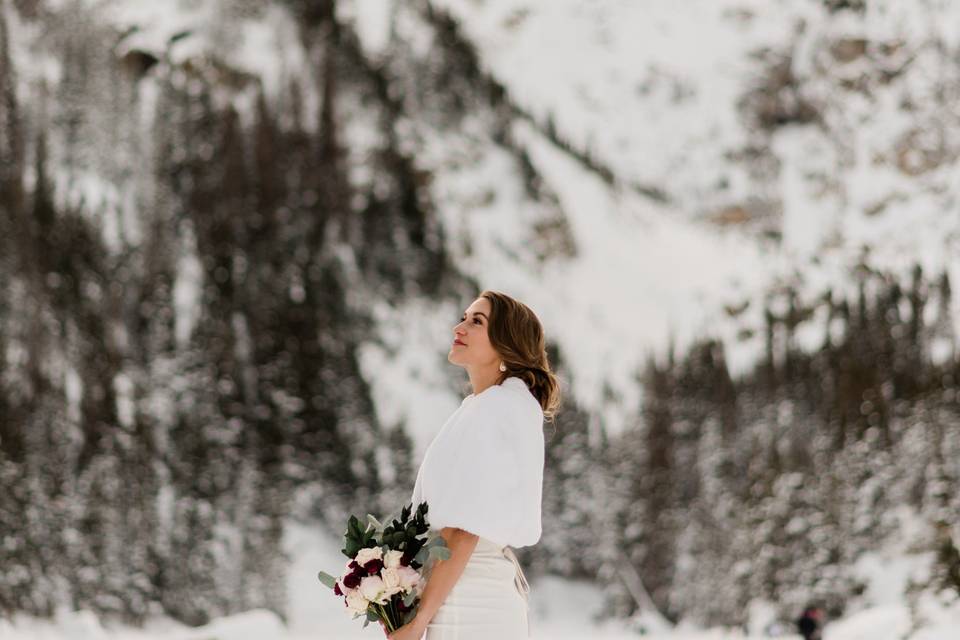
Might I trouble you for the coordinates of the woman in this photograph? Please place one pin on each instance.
(482, 477)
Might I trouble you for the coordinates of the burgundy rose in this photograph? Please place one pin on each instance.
(351, 580)
(336, 589)
(373, 566)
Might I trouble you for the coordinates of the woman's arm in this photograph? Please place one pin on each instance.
(445, 573)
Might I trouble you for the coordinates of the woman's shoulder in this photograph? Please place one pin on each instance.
(512, 395)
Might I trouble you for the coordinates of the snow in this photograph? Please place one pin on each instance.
(187, 288)
(622, 289)
(651, 86)
(373, 22)
(651, 89)
(560, 609)
(411, 386)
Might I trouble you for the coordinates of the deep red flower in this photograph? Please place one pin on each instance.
(351, 580)
(373, 566)
(336, 589)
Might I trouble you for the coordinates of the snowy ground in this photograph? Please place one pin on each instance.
(560, 610)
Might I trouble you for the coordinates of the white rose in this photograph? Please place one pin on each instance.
(356, 602)
(391, 581)
(366, 555)
(409, 577)
(372, 588)
(392, 559)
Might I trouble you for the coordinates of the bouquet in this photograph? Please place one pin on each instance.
(385, 575)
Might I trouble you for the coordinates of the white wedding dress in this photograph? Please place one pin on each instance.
(488, 602)
(483, 472)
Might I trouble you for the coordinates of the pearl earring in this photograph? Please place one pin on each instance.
(502, 368)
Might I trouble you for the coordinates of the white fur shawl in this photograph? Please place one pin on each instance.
(483, 472)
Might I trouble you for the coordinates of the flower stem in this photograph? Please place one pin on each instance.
(385, 618)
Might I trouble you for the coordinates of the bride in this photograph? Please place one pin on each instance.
(482, 477)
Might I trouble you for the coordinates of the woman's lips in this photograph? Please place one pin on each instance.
(458, 344)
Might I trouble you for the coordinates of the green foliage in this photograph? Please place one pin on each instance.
(434, 550)
(357, 537)
(328, 580)
(406, 534)
(403, 534)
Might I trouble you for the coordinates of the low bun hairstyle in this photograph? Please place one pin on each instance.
(516, 334)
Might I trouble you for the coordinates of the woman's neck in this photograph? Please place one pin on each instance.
(482, 381)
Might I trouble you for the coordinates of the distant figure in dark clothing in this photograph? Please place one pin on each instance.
(810, 623)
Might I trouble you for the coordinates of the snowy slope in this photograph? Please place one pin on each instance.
(654, 88)
(656, 91)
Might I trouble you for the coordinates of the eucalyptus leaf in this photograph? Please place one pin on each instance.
(422, 556)
(327, 579)
(440, 553)
(373, 521)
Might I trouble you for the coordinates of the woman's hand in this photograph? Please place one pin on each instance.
(413, 630)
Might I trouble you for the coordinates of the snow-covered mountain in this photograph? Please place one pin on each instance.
(751, 146)
(732, 148)
(235, 237)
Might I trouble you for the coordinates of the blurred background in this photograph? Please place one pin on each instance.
(235, 236)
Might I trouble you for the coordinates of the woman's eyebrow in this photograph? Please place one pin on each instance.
(478, 313)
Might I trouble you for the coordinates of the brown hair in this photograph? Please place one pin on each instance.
(516, 334)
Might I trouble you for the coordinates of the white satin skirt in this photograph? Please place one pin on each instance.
(488, 602)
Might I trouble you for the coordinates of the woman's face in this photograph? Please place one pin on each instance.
(471, 347)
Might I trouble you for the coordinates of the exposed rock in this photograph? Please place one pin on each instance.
(138, 63)
(848, 49)
(777, 98)
(919, 151)
(848, 5)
